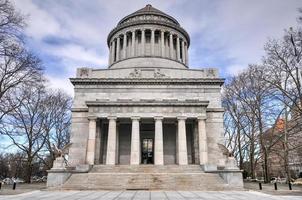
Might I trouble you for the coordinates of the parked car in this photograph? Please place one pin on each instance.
(278, 180)
(18, 180)
(298, 181)
(44, 178)
(8, 181)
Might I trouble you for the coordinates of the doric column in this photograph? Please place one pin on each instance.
(133, 44)
(135, 142)
(162, 38)
(152, 43)
(158, 146)
(111, 143)
(90, 153)
(186, 52)
(177, 48)
(183, 51)
(113, 51)
(202, 135)
(182, 141)
(171, 45)
(124, 45)
(143, 42)
(118, 48)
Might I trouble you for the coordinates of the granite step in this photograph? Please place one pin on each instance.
(147, 169)
(146, 177)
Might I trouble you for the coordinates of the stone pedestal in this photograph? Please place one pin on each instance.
(56, 178)
(58, 174)
(59, 163)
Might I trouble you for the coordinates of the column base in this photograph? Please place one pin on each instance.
(209, 167)
(83, 168)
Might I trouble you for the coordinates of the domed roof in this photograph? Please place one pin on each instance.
(148, 10)
(148, 15)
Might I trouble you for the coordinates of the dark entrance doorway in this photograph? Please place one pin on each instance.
(147, 151)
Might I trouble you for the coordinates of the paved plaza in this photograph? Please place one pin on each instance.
(123, 195)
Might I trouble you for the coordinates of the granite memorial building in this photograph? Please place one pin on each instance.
(148, 120)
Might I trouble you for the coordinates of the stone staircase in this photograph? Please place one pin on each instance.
(146, 177)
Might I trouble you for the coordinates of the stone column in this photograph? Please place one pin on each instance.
(111, 143)
(158, 146)
(152, 43)
(110, 53)
(124, 45)
(183, 51)
(90, 154)
(177, 49)
(135, 142)
(118, 48)
(171, 45)
(133, 44)
(98, 142)
(113, 51)
(182, 141)
(143, 42)
(202, 135)
(162, 38)
(186, 52)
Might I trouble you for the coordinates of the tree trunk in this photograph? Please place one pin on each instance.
(29, 169)
(239, 148)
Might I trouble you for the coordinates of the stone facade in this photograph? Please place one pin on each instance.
(148, 107)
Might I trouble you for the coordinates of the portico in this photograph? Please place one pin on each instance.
(170, 138)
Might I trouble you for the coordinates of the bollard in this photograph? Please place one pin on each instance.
(275, 186)
(289, 185)
(260, 186)
(14, 185)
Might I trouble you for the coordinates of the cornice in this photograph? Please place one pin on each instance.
(186, 103)
(147, 81)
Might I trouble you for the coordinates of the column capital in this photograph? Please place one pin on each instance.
(181, 118)
(92, 118)
(112, 117)
(202, 117)
(158, 118)
(135, 118)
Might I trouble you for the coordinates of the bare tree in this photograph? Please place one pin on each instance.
(25, 125)
(17, 66)
(249, 103)
(282, 64)
(57, 124)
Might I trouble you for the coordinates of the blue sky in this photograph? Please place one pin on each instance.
(228, 34)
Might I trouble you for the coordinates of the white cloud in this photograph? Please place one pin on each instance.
(61, 83)
(228, 34)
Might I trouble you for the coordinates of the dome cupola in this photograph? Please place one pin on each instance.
(148, 38)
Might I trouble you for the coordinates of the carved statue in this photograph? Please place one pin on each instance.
(60, 162)
(158, 74)
(84, 72)
(135, 74)
(61, 152)
(225, 151)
